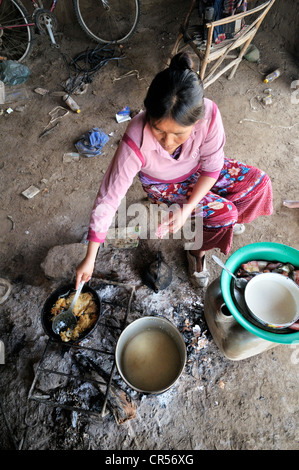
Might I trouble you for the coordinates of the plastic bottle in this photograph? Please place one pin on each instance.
(71, 103)
(272, 76)
(2, 93)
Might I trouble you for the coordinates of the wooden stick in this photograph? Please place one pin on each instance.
(242, 52)
(182, 29)
(239, 16)
(227, 67)
(252, 29)
(208, 48)
(224, 56)
(117, 401)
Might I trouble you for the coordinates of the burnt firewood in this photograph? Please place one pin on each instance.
(115, 399)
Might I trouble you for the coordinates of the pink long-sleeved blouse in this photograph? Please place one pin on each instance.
(139, 151)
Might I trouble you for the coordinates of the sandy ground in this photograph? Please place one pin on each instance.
(217, 403)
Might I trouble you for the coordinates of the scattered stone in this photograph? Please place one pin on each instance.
(41, 91)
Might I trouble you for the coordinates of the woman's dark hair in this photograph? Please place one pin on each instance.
(176, 92)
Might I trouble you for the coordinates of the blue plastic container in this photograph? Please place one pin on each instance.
(258, 251)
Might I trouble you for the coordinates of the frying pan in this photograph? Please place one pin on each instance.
(65, 291)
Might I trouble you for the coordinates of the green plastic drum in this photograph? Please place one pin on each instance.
(258, 251)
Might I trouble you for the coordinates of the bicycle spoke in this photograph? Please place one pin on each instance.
(108, 20)
(15, 34)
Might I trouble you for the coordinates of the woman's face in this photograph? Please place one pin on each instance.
(169, 134)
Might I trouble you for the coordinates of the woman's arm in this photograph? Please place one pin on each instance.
(117, 180)
(201, 188)
(86, 267)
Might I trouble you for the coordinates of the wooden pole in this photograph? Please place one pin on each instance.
(208, 48)
(242, 52)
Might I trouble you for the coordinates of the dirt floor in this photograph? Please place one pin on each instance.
(217, 403)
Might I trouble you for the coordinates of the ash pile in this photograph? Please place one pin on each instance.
(54, 396)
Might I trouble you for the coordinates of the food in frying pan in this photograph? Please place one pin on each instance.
(85, 310)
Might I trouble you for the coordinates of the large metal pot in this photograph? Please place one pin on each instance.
(150, 354)
(65, 291)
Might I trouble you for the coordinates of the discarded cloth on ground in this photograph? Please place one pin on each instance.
(92, 142)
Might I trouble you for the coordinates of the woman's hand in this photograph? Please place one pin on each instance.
(85, 269)
(178, 218)
(174, 221)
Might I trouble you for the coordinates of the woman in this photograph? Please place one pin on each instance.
(176, 146)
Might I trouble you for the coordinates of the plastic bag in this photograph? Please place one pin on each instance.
(13, 73)
(92, 142)
(123, 115)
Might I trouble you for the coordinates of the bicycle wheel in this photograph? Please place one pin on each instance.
(16, 35)
(108, 21)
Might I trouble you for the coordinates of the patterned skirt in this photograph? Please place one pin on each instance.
(240, 194)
